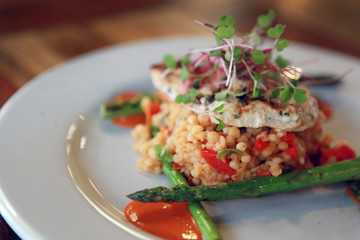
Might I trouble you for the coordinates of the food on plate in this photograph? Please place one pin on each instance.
(321, 175)
(234, 119)
(233, 112)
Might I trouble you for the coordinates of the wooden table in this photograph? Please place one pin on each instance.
(30, 46)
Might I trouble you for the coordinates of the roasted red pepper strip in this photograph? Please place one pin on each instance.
(290, 139)
(220, 165)
(292, 151)
(260, 145)
(128, 121)
(340, 153)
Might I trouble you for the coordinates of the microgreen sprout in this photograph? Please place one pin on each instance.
(282, 62)
(224, 152)
(282, 45)
(266, 20)
(169, 60)
(185, 61)
(275, 32)
(162, 154)
(186, 98)
(220, 125)
(184, 73)
(219, 96)
(258, 56)
(288, 92)
(225, 28)
(238, 59)
(239, 94)
(219, 108)
(300, 95)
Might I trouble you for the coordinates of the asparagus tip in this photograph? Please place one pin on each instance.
(148, 195)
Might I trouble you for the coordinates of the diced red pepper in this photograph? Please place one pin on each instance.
(341, 153)
(151, 110)
(220, 165)
(263, 173)
(326, 154)
(129, 121)
(260, 145)
(177, 166)
(290, 139)
(292, 151)
(344, 152)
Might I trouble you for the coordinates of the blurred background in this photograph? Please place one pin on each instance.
(39, 34)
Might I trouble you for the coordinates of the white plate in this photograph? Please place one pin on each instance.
(59, 110)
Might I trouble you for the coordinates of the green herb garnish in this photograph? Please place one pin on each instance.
(185, 61)
(266, 20)
(226, 27)
(162, 154)
(219, 96)
(219, 108)
(239, 94)
(184, 73)
(275, 93)
(169, 60)
(240, 59)
(154, 130)
(282, 45)
(276, 31)
(258, 56)
(186, 98)
(220, 125)
(286, 94)
(282, 62)
(300, 95)
(224, 152)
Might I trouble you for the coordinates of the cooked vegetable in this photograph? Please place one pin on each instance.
(328, 174)
(121, 107)
(129, 121)
(221, 164)
(206, 225)
(124, 109)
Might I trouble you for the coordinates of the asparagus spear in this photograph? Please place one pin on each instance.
(116, 109)
(332, 173)
(203, 220)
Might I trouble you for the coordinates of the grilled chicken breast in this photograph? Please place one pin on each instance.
(240, 112)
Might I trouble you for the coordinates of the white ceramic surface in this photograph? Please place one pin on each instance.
(54, 120)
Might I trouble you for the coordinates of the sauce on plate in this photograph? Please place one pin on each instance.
(166, 220)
